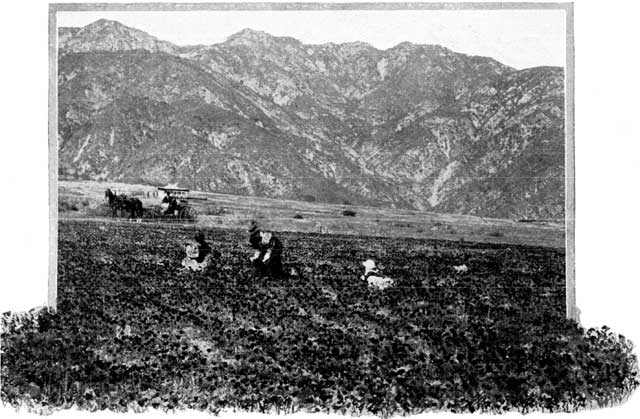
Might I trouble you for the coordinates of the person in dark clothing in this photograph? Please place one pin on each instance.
(267, 258)
(169, 203)
(173, 205)
(166, 201)
(204, 249)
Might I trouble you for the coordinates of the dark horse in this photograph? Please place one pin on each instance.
(123, 203)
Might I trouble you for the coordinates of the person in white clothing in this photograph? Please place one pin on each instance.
(374, 277)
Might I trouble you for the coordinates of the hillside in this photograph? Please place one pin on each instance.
(415, 126)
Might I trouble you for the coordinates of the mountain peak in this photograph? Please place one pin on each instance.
(356, 47)
(406, 46)
(105, 22)
(248, 32)
(249, 36)
(104, 26)
(110, 35)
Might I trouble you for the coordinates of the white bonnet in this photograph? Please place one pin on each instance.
(369, 264)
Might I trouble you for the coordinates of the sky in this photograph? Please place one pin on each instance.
(518, 38)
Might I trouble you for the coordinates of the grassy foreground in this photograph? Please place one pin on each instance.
(133, 332)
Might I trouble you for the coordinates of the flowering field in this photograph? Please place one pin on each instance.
(133, 331)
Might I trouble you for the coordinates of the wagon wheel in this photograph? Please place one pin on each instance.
(188, 213)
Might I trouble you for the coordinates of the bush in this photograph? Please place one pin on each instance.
(348, 213)
(216, 211)
(394, 224)
(99, 211)
(152, 182)
(308, 198)
(64, 206)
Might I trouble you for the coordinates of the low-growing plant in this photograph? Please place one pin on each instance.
(65, 205)
(134, 331)
(308, 198)
(72, 204)
(217, 211)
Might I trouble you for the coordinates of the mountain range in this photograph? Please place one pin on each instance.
(414, 126)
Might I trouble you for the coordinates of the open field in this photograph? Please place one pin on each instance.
(133, 331)
(231, 211)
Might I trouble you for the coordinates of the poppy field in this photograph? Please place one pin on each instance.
(133, 331)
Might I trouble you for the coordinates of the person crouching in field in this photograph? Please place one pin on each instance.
(199, 254)
(267, 259)
(374, 277)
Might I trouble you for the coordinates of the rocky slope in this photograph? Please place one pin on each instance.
(414, 126)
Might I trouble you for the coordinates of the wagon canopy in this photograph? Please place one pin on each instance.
(179, 192)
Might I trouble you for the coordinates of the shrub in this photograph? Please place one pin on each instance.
(72, 204)
(308, 198)
(64, 206)
(216, 211)
(152, 182)
(99, 211)
(394, 224)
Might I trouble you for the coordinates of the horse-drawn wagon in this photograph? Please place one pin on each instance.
(175, 206)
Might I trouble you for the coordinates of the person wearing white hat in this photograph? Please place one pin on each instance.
(374, 277)
(200, 255)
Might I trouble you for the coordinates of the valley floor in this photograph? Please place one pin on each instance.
(235, 212)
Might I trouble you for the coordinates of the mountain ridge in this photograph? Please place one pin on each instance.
(101, 23)
(412, 126)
